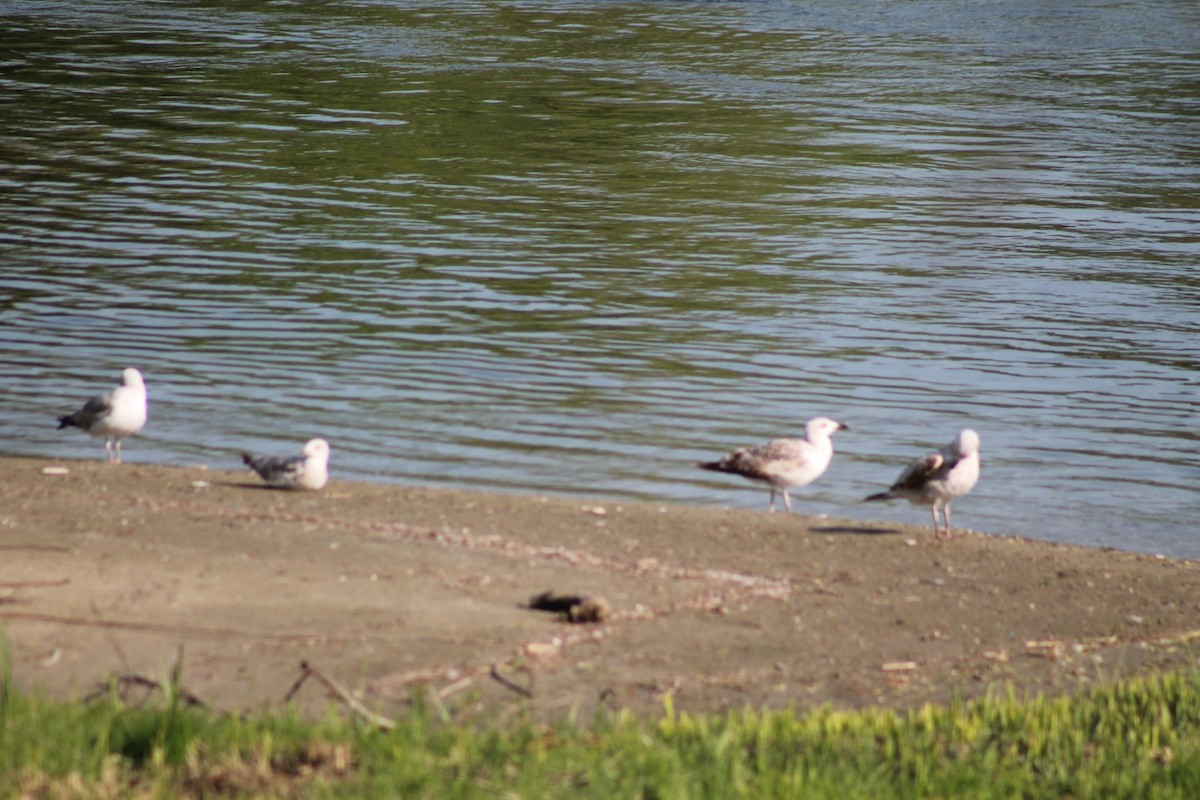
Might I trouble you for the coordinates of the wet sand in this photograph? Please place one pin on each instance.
(385, 588)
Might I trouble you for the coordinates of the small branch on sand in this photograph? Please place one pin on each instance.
(291, 693)
(341, 694)
(125, 680)
(112, 637)
(500, 678)
(455, 687)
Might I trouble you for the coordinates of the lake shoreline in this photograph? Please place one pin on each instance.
(384, 588)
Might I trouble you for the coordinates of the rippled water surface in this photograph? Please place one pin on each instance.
(577, 247)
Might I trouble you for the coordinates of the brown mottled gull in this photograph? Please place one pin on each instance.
(784, 463)
(937, 478)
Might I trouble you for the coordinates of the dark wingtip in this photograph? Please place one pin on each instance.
(714, 466)
(878, 496)
(247, 459)
(64, 422)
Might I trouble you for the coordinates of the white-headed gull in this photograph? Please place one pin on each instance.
(113, 415)
(785, 463)
(937, 478)
(307, 471)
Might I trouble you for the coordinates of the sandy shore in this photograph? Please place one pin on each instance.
(110, 569)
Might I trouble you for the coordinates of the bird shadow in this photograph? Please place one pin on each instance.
(856, 530)
(248, 485)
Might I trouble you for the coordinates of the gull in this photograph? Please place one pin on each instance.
(784, 463)
(113, 415)
(307, 471)
(936, 478)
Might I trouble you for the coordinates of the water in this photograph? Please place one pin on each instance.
(576, 247)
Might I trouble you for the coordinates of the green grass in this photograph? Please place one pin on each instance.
(1135, 739)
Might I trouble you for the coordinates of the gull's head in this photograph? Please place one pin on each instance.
(132, 377)
(822, 428)
(967, 442)
(316, 448)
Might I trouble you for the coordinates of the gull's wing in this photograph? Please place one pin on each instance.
(765, 460)
(94, 410)
(276, 469)
(920, 472)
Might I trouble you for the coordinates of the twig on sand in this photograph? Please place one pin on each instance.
(112, 638)
(341, 694)
(125, 680)
(455, 687)
(609, 695)
(503, 680)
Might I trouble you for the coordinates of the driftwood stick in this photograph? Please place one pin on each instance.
(500, 678)
(346, 698)
(456, 687)
(103, 687)
(287, 698)
(129, 679)
(112, 637)
(436, 700)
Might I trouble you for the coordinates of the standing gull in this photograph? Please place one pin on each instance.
(937, 478)
(784, 463)
(113, 415)
(307, 471)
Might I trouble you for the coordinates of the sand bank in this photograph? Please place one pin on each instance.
(109, 569)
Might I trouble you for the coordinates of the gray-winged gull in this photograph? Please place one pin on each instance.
(307, 471)
(113, 415)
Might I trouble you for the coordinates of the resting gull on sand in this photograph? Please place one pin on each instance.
(937, 478)
(307, 471)
(784, 463)
(113, 415)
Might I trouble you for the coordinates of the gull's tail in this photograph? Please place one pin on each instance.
(69, 421)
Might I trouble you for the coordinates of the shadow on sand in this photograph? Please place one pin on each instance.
(855, 530)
